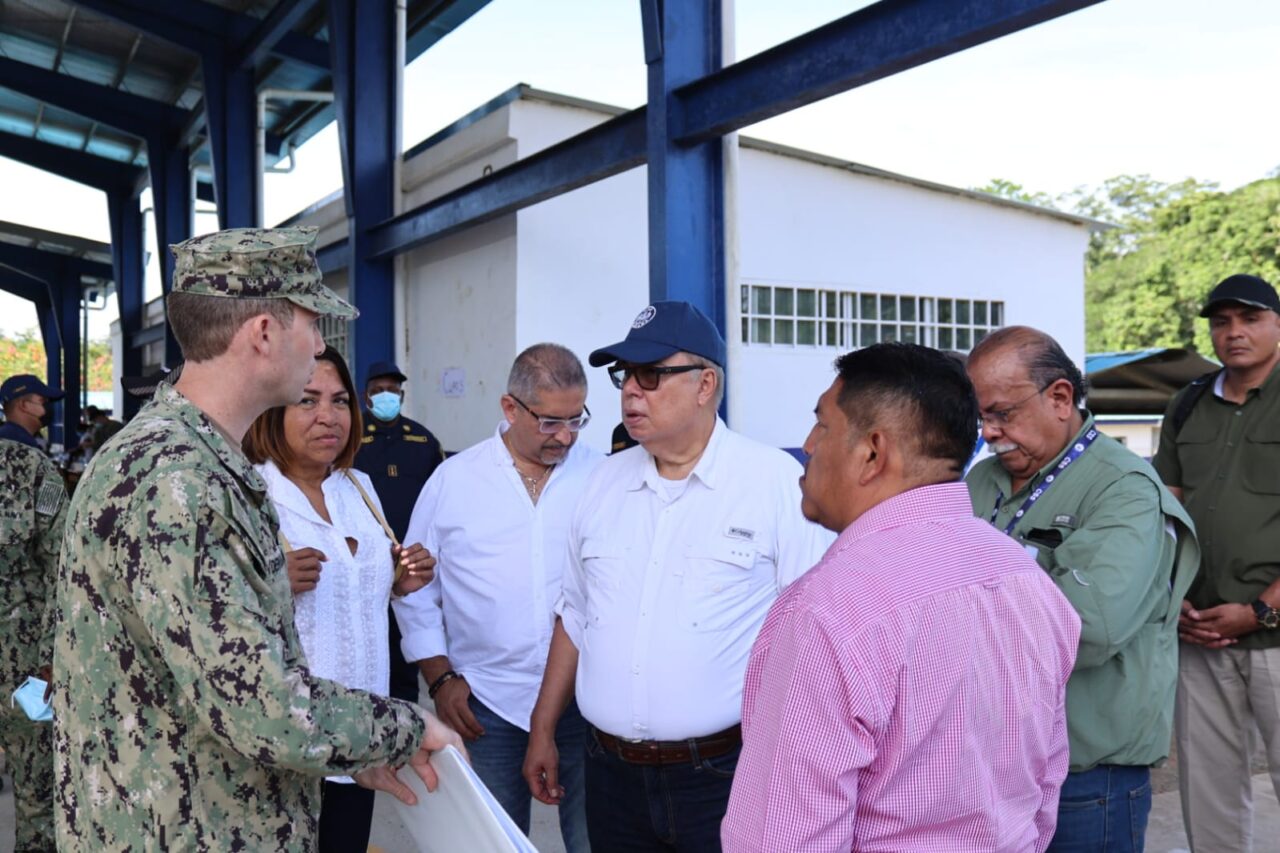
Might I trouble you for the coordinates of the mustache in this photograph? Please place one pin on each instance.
(1003, 447)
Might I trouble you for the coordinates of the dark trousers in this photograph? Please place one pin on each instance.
(404, 674)
(346, 814)
(1103, 810)
(674, 807)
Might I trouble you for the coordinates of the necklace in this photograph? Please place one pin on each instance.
(532, 485)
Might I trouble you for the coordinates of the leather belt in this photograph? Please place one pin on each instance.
(659, 752)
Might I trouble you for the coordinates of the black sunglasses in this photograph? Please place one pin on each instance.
(647, 375)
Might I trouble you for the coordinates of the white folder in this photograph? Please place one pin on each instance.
(461, 815)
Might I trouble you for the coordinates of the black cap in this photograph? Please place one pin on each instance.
(24, 384)
(662, 330)
(1244, 289)
(384, 368)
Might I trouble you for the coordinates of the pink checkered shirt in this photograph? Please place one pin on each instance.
(906, 694)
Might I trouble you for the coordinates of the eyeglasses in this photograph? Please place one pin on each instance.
(551, 426)
(647, 375)
(1002, 417)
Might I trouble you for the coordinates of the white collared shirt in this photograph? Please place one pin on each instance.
(490, 607)
(666, 590)
(342, 623)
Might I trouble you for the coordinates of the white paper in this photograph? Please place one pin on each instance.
(461, 814)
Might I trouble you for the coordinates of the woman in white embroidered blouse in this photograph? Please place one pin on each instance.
(341, 558)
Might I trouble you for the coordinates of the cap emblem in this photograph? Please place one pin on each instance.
(643, 318)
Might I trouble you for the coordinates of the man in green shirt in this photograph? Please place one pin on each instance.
(1220, 453)
(1122, 550)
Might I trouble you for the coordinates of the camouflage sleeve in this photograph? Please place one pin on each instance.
(50, 519)
(209, 603)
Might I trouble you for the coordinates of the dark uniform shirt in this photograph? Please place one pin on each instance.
(398, 456)
(1226, 460)
(13, 432)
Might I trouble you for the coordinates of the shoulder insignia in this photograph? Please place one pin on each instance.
(370, 428)
(406, 427)
(418, 439)
(368, 439)
(49, 498)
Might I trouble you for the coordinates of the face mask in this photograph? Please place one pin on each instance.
(386, 405)
(30, 698)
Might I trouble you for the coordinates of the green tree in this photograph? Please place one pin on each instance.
(24, 353)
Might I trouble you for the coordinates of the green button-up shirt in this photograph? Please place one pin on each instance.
(1109, 534)
(184, 714)
(1226, 460)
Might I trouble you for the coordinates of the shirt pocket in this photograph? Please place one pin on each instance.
(719, 582)
(1261, 472)
(1198, 456)
(602, 568)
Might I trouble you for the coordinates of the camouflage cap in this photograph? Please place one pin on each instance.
(262, 263)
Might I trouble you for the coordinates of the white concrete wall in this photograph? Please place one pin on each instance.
(583, 261)
(807, 224)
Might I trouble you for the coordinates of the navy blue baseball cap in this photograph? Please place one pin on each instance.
(384, 368)
(662, 330)
(23, 384)
(1245, 290)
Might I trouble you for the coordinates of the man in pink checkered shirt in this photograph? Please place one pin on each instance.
(907, 693)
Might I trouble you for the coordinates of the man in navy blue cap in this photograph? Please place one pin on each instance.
(399, 455)
(26, 407)
(676, 551)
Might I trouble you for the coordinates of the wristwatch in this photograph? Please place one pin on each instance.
(1268, 616)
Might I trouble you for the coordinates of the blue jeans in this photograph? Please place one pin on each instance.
(1103, 810)
(676, 807)
(498, 756)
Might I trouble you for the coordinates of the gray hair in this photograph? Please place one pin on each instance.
(544, 367)
(711, 365)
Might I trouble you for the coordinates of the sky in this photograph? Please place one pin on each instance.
(1169, 88)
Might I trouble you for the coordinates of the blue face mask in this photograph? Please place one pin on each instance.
(386, 405)
(30, 698)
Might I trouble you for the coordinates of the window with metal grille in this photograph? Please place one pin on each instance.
(778, 315)
(334, 331)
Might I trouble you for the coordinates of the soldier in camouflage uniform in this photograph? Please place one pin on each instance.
(32, 512)
(185, 717)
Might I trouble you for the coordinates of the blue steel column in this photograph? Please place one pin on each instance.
(128, 271)
(230, 105)
(171, 197)
(367, 99)
(67, 294)
(686, 183)
(47, 313)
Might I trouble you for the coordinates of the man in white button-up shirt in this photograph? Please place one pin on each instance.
(496, 516)
(677, 550)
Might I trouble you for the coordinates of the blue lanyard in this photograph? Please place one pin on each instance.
(1077, 450)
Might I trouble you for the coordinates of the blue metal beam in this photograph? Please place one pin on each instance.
(171, 197)
(68, 295)
(593, 155)
(608, 149)
(282, 18)
(435, 21)
(195, 25)
(121, 110)
(129, 271)
(43, 264)
(367, 102)
(88, 169)
(333, 257)
(868, 45)
(51, 336)
(230, 104)
(686, 183)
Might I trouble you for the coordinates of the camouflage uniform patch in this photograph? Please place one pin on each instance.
(32, 517)
(184, 714)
